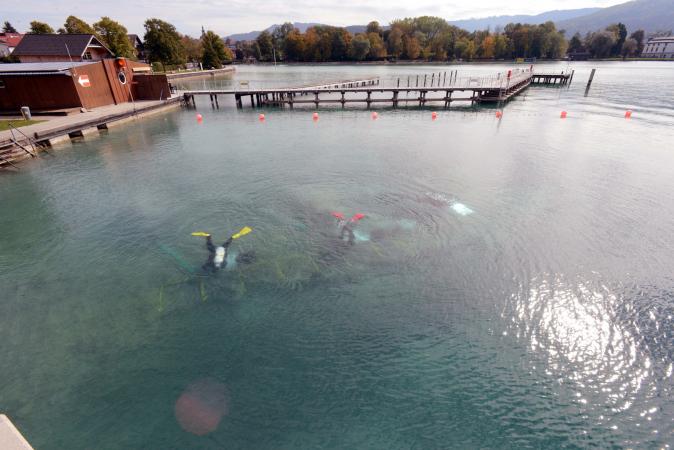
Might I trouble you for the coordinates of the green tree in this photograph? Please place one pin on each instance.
(8, 28)
(360, 47)
(162, 42)
(279, 37)
(576, 44)
(214, 53)
(266, 44)
(601, 44)
(75, 25)
(638, 36)
(37, 27)
(114, 36)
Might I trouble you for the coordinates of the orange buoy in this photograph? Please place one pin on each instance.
(434, 115)
(261, 117)
(374, 115)
(200, 118)
(628, 114)
(563, 115)
(499, 114)
(315, 116)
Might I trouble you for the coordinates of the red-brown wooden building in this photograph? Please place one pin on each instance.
(55, 86)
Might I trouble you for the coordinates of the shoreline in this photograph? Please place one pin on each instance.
(201, 73)
(443, 63)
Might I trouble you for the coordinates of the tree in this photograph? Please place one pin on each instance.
(8, 28)
(266, 44)
(279, 37)
(294, 46)
(394, 42)
(601, 44)
(114, 36)
(620, 34)
(360, 47)
(630, 47)
(37, 27)
(638, 36)
(373, 27)
(162, 42)
(75, 25)
(411, 47)
(576, 44)
(214, 53)
(193, 48)
(487, 48)
(377, 47)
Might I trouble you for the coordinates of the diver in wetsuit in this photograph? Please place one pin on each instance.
(217, 256)
(346, 226)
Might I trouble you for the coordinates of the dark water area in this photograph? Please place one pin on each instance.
(510, 286)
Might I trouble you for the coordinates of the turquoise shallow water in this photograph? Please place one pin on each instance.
(510, 287)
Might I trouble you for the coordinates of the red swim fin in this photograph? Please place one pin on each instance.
(357, 217)
(337, 215)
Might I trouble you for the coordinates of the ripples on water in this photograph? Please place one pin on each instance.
(509, 286)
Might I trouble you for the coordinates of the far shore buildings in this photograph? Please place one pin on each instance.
(61, 48)
(659, 47)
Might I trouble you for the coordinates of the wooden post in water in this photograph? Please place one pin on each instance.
(432, 79)
(417, 80)
(398, 82)
(408, 81)
(424, 80)
(571, 77)
(444, 79)
(589, 82)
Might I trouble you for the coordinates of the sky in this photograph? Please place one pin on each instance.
(226, 17)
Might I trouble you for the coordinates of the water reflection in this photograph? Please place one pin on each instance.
(602, 343)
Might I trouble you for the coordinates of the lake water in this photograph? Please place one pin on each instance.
(511, 285)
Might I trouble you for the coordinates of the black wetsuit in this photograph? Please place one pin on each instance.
(346, 229)
(210, 264)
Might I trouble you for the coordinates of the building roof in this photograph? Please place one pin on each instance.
(663, 39)
(11, 39)
(57, 45)
(135, 39)
(42, 68)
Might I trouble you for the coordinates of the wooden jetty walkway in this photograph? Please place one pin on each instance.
(475, 90)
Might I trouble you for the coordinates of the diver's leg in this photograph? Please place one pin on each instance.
(209, 244)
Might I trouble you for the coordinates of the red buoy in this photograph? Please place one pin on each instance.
(261, 117)
(200, 118)
(499, 114)
(434, 115)
(563, 115)
(374, 115)
(315, 116)
(628, 114)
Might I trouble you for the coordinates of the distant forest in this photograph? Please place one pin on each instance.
(414, 39)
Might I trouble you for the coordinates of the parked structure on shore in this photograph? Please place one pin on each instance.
(659, 47)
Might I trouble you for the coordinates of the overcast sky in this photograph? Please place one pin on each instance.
(235, 16)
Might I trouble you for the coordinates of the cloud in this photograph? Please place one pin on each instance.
(234, 16)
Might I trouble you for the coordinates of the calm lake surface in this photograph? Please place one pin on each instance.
(510, 287)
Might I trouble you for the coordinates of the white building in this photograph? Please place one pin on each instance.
(660, 47)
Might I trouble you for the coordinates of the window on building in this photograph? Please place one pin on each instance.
(87, 56)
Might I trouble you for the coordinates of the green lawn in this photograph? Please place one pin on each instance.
(4, 124)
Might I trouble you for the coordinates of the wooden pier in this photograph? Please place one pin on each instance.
(474, 90)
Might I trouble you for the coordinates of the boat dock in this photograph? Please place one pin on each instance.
(496, 89)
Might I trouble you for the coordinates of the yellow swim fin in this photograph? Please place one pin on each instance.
(244, 231)
(200, 234)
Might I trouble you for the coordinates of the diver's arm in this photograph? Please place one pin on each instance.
(227, 243)
(209, 244)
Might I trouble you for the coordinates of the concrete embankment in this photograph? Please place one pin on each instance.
(201, 73)
(26, 142)
(10, 437)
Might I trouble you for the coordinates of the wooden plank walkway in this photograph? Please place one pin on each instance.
(474, 90)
